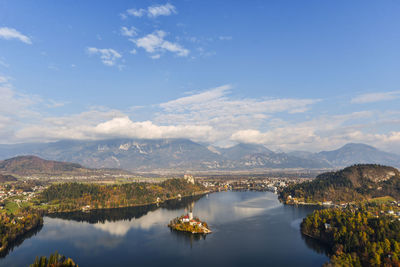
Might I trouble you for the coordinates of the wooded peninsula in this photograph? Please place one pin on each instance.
(19, 219)
(362, 225)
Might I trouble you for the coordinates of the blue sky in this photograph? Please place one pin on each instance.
(292, 75)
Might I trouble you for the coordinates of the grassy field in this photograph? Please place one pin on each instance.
(11, 207)
(381, 200)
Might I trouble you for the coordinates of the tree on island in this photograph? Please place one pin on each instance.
(55, 260)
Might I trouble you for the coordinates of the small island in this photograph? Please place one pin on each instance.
(55, 260)
(186, 223)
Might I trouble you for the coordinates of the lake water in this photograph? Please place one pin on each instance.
(249, 229)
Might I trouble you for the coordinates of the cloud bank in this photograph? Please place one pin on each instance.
(214, 116)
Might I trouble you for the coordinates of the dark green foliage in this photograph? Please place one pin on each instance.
(126, 213)
(55, 260)
(353, 183)
(69, 190)
(356, 236)
(12, 226)
(74, 196)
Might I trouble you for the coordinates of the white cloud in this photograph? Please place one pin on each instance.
(214, 116)
(151, 42)
(214, 125)
(130, 32)
(136, 12)
(216, 102)
(124, 127)
(108, 56)
(10, 33)
(375, 97)
(76, 126)
(152, 11)
(216, 108)
(15, 104)
(133, 52)
(286, 136)
(322, 133)
(391, 137)
(84, 126)
(161, 10)
(155, 43)
(209, 116)
(203, 97)
(15, 108)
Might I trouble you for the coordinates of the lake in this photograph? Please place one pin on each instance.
(249, 229)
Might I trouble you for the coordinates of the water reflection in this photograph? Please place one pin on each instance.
(316, 245)
(249, 229)
(188, 238)
(81, 235)
(235, 206)
(17, 242)
(112, 215)
(115, 222)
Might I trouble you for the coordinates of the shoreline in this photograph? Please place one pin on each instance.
(44, 213)
(191, 232)
(18, 237)
(127, 206)
(194, 226)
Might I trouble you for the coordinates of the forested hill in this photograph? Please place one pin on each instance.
(354, 183)
(357, 236)
(33, 164)
(7, 178)
(74, 196)
(38, 167)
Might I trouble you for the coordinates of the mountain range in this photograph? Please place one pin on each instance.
(183, 154)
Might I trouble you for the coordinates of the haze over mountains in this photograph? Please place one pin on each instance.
(183, 154)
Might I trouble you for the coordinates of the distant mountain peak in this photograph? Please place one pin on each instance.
(183, 154)
(357, 153)
(358, 145)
